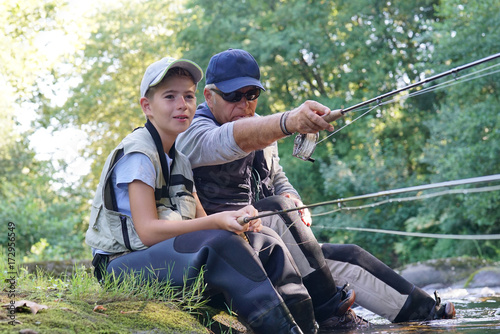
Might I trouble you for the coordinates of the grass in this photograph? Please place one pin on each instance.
(77, 303)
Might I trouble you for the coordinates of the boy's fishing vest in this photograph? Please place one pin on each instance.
(114, 232)
(233, 185)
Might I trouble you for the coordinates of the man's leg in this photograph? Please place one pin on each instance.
(329, 301)
(279, 263)
(379, 288)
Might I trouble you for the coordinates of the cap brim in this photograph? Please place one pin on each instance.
(237, 83)
(188, 65)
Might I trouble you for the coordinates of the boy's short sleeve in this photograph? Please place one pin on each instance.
(131, 167)
(134, 166)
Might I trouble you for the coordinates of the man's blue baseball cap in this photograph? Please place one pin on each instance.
(233, 69)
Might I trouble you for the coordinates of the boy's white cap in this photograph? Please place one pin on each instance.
(157, 70)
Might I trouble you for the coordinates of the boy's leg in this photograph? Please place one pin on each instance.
(230, 267)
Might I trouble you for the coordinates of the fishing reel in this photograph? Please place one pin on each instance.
(304, 145)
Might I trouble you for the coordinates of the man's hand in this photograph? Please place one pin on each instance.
(307, 118)
(305, 214)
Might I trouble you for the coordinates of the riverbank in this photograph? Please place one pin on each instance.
(63, 311)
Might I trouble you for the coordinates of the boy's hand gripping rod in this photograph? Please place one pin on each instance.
(305, 143)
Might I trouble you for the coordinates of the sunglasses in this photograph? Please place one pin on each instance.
(236, 96)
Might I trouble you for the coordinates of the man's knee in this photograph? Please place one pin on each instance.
(343, 252)
(274, 203)
(279, 203)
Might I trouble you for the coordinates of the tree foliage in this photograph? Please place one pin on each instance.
(45, 214)
(341, 53)
(48, 219)
(336, 52)
(464, 135)
(126, 37)
(444, 136)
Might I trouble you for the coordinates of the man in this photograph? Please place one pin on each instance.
(235, 162)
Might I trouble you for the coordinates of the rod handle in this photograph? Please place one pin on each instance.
(243, 220)
(333, 115)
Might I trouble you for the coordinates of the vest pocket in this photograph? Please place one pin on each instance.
(185, 204)
(123, 232)
(167, 213)
(94, 216)
(125, 235)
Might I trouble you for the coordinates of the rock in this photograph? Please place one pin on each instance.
(449, 272)
(489, 276)
(422, 275)
(57, 268)
(27, 331)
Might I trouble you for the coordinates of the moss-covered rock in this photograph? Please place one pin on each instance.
(114, 317)
(488, 276)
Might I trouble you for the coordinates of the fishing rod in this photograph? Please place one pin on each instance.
(305, 143)
(494, 177)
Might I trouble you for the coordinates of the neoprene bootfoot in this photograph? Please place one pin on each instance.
(303, 314)
(420, 306)
(277, 320)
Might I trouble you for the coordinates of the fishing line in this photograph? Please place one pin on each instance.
(397, 200)
(454, 81)
(436, 87)
(347, 124)
(385, 193)
(445, 84)
(305, 144)
(411, 198)
(404, 233)
(418, 234)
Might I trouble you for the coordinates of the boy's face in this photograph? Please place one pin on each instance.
(172, 107)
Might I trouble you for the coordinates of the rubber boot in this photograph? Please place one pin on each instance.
(324, 293)
(420, 306)
(441, 311)
(344, 317)
(303, 314)
(277, 320)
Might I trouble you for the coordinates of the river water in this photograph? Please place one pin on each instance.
(478, 312)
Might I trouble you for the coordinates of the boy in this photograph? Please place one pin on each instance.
(146, 217)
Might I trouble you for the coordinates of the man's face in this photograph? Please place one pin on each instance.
(225, 111)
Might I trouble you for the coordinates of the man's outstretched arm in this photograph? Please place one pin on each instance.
(255, 133)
